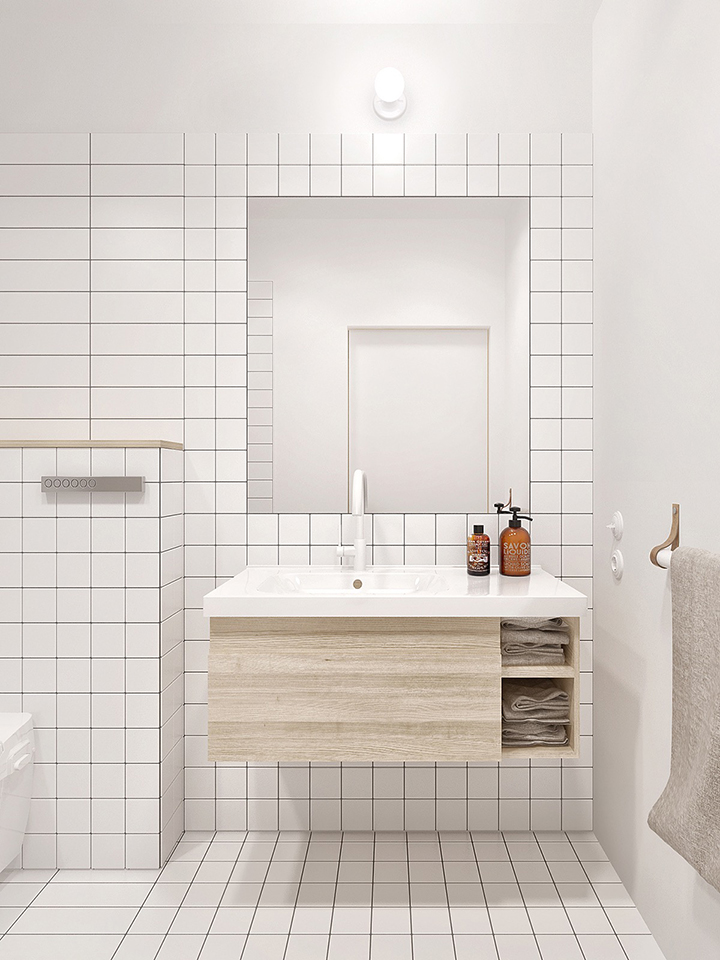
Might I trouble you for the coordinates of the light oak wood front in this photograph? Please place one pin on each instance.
(329, 689)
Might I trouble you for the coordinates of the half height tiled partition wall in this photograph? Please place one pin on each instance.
(91, 614)
(123, 301)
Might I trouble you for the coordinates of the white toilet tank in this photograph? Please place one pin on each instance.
(17, 747)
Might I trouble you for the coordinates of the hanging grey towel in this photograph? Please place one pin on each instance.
(687, 815)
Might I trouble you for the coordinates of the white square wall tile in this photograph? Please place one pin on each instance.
(295, 148)
(357, 181)
(451, 148)
(451, 181)
(262, 148)
(325, 181)
(325, 148)
(483, 148)
(420, 181)
(545, 148)
(514, 181)
(419, 148)
(388, 181)
(294, 181)
(420, 528)
(483, 181)
(514, 148)
(388, 148)
(357, 148)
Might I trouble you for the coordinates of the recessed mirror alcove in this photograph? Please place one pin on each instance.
(390, 334)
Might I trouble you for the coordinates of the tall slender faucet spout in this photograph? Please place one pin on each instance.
(359, 493)
(358, 501)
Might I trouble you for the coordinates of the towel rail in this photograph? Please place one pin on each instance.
(661, 554)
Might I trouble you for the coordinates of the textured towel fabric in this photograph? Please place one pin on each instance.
(533, 732)
(534, 641)
(517, 653)
(536, 623)
(534, 638)
(687, 815)
(534, 700)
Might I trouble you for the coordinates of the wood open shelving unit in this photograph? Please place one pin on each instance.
(568, 678)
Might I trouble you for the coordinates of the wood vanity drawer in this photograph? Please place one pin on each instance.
(328, 689)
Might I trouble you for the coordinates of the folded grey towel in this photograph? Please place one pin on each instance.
(536, 623)
(532, 732)
(519, 654)
(534, 700)
(534, 637)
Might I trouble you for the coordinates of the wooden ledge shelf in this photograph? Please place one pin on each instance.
(538, 670)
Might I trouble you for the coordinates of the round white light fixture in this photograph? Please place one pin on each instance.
(389, 101)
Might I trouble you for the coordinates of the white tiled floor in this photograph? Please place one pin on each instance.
(335, 896)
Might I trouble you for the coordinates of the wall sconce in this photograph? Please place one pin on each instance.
(389, 102)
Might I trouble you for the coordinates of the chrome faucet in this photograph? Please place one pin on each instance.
(358, 550)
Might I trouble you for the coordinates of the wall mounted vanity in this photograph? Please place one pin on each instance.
(394, 664)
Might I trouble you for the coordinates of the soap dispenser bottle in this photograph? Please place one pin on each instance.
(514, 546)
(478, 552)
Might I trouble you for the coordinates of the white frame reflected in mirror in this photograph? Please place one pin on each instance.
(418, 417)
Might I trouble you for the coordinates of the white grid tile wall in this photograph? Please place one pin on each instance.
(91, 611)
(260, 407)
(148, 338)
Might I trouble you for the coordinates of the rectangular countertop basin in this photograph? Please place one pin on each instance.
(395, 591)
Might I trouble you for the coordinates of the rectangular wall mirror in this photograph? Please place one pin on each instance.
(390, 334)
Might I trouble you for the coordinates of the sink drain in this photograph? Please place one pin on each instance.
(357, 584)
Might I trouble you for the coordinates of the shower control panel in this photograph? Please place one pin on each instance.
(93, 484)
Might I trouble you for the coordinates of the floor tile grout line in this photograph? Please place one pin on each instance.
(332, 908)
(28, 905)
(410, 915)
(152, 887)
(554, 883)
(522, 895)
(482, 887)
(297, 895)
(602, 905)
(447, 897)
(190, 885)
(262, 888)
(227, 884)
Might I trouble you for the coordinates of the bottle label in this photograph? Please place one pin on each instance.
(516, 557)
(478, 555)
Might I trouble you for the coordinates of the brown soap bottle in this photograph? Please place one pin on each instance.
(514, 547)
(478, 552)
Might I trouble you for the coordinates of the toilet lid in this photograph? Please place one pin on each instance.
(12, 726)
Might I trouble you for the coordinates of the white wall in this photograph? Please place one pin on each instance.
(657, 153)
(173, 66)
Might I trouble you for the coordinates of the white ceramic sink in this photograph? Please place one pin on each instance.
(437, 591)
(399, 582)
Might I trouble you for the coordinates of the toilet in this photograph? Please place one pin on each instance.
(17, 747)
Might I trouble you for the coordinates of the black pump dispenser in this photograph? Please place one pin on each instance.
(516, 517)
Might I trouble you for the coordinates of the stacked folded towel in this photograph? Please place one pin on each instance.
(534, 712)
(534, 640)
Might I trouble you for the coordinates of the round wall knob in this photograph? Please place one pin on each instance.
(617, 564)
(616, 525)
